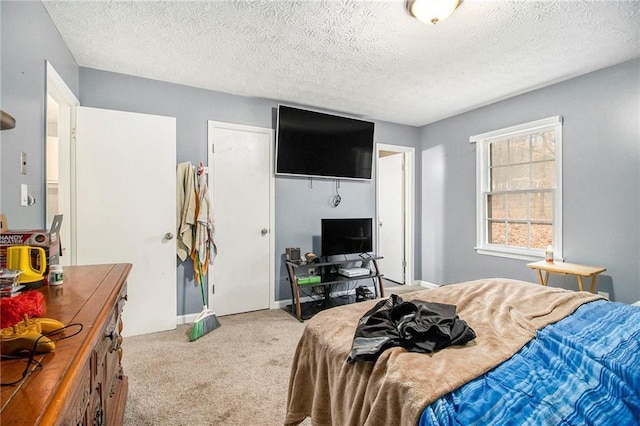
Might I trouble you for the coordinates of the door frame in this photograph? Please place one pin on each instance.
(212, 124)
(67, 101)
(409, 204)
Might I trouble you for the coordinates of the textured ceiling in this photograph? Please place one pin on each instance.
(364, 58)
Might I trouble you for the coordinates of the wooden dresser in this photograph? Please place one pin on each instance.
(81, 382)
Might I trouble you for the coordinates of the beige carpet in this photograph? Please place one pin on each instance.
(238, 374)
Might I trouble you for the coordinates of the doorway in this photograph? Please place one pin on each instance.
(60, 115)
(241, 182)
(105, 198)
(395, 167)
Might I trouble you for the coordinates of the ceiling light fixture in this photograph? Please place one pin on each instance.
(431, 11)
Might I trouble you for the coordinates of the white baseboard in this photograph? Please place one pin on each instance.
(281, 304)
(191, 318)
(186, 319)
(426, 284)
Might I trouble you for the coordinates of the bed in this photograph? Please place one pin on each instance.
(541, 355)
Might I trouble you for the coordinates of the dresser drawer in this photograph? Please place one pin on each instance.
(76, 413)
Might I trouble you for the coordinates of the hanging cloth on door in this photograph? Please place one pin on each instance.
(186, 198)
(204, 249)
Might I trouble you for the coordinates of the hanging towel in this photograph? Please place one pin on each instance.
(204, 249)
(185, 209)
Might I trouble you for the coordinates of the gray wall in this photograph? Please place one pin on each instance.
(28, 39)
(601, 190)
(299, 206)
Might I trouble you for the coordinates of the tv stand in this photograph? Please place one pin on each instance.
(329, 278)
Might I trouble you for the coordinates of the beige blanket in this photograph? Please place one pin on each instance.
(394, 390)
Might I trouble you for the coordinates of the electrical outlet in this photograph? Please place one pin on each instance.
(24, 195)
(604, 294)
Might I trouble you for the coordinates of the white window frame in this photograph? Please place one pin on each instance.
(482, 142)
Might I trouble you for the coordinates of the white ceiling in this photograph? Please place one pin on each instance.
(364, 58)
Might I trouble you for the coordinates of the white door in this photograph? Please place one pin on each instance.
(125, 203)
(241, 184)
(391, 190)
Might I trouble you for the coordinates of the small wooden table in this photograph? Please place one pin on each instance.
(563, 268)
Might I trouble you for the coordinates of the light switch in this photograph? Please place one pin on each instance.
(24, 196)
(23, 163)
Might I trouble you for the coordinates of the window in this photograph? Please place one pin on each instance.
(519, 190)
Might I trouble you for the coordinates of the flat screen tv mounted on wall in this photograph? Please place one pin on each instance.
(314, 144)
(346, 236)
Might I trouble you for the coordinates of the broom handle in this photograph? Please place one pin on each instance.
(204, 299)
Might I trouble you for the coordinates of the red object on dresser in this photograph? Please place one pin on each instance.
(13, 309)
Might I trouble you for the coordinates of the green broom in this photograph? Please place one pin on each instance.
(206, 321)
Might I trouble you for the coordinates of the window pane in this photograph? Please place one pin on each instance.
(519, 150)
(542, 206)
(518, 235)
(519, 177)
(518, 207)
(499, 176)
(519, 197)
(543, 146)
(540, 234)
(499, 153)
(544, 174)
(496, 207)
(497, 233)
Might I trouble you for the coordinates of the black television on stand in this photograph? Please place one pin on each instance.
(315, 144)
(346, 236)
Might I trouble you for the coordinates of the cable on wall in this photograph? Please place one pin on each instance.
(335, 201)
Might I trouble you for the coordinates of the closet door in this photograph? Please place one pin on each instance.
(241, 183)
(125, 197)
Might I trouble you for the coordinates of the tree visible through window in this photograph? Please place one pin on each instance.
(519, 191)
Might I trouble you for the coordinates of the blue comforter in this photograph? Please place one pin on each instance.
(583, 370)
